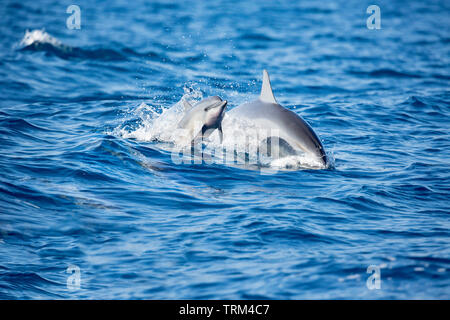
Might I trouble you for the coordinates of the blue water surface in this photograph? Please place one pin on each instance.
(74, 193)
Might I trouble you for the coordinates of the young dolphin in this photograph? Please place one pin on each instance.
(294, 132)
(206, 114)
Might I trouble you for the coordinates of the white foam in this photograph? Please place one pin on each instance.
(39, 36)
(163, 126)
(155, 128)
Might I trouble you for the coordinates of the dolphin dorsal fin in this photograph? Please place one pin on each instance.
(266, 89)
(187, 106)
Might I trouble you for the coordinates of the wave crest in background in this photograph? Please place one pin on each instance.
(41, 41)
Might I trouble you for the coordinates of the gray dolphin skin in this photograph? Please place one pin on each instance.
(294, 132)
(208, 112)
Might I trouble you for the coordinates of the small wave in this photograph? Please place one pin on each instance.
(384, 72)
(256, 37)
(41, 41)
(392, 73)
(415, 102)
(30, 283)
(20, 125)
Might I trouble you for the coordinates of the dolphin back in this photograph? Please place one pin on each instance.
(266, 113)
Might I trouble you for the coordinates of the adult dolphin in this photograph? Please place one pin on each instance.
(295, 134)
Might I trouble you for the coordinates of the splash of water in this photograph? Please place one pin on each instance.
(39, 37)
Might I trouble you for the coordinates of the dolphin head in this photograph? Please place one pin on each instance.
(209, 111)
(214, 109)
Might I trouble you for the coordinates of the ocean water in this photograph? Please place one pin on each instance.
(93, 205)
